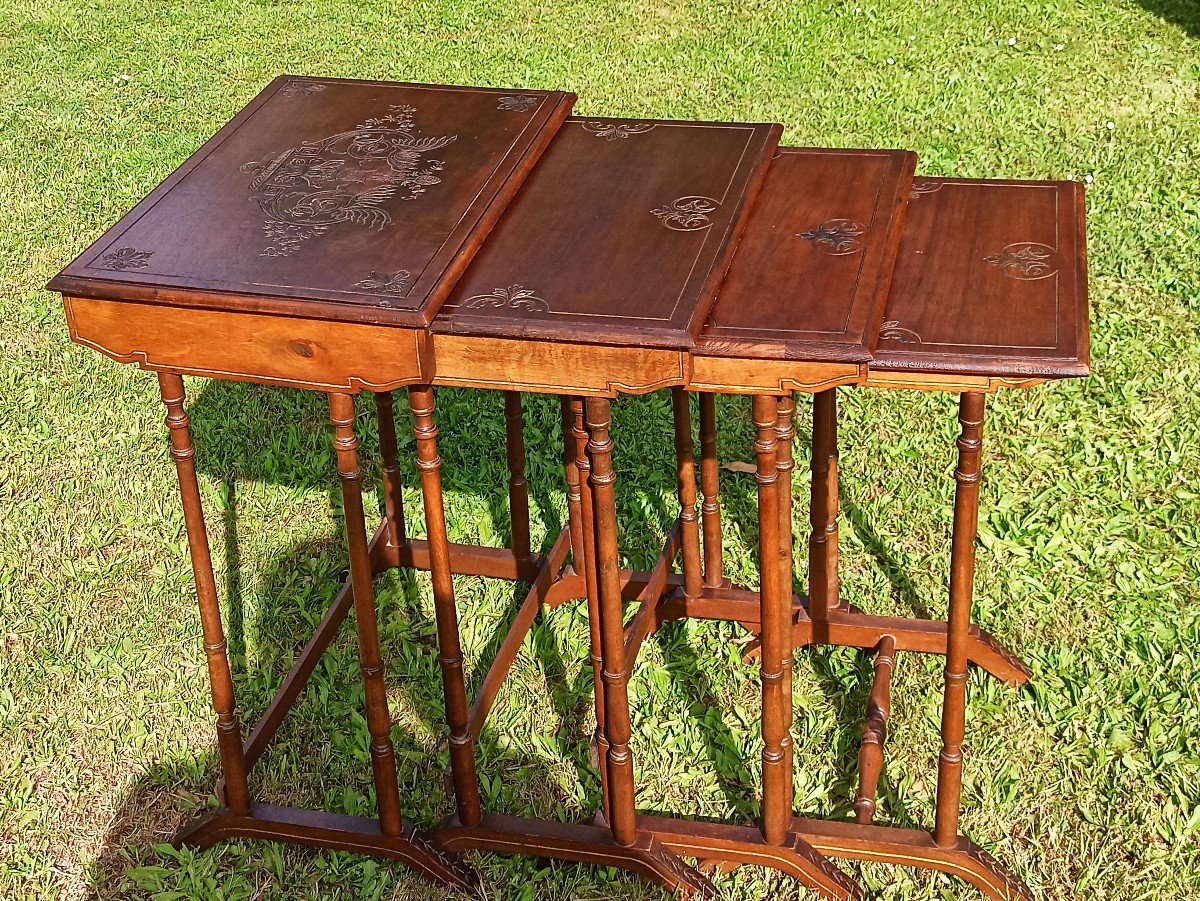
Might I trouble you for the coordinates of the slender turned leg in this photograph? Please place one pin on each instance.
(879, 708)
(621, 813)
(393, 496)
(379, 719)
(229, 732)
(785, 434)
(462, 750)
(518, 485)
(962, 584)
(823, 586)
(775, 602)
(685, 451)
(710, 479)
(578, 443)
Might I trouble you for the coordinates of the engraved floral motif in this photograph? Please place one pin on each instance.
(126, 258)
(301, 89)
(382, 283)
(924, 186)
(835, 237)
(518, 102)
(610, 131)
(892, 331)
(687, 214)
(344, 178)
(514, 297)
(1026, 261)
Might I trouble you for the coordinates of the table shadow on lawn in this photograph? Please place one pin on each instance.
(1184, 13)
(230, 444)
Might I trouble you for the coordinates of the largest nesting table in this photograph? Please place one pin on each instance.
(315, 242)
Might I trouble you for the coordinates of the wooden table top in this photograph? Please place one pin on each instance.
(619, 237)
(328, 198)
(990, 279)
(810, 276)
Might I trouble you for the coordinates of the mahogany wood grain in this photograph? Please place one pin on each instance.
(991, 280)
(622, 815)
(273, 350)
(229, 732)
(879, 709)
(616, 240)
(689, 517)
(710, 486)
(450, 655)
(518, 485)
(811, 273)
(775, 602)
(967, 475)
(823, 584)
(379, 718)
(393, 489)
(328, 198)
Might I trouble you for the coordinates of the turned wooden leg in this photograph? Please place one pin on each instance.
(823, 585)
(462, 749)
(518, 485)
(379, 718)
(393, 495)
(879, 709)
(775, 602)
(685, 451)
(710, 481)
(622, 815)
(785, 464)
(578, 441)
(962, 585)
(229, 732)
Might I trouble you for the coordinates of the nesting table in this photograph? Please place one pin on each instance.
(346, 236)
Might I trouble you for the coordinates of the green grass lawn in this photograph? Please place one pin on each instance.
(1087, 784)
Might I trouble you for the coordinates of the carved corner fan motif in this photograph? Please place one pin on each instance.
(610, 131)
(301, 89)
(347, 177)
(125, 258)
(1025, 261)
(518, 102)
(514, 297)
(835, 237)
(383, 283)
(892, 331)
(687, 214)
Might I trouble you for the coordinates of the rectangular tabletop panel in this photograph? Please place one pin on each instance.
(329, 198)
(810, 277)
(991, 279)
(620, 235)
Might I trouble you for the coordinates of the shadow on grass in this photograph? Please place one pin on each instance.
(1184, 13)
(251, 434)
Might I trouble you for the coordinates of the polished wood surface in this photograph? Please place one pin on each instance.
(328, 198)
(621, 234)
(990, 280)
(811, 273)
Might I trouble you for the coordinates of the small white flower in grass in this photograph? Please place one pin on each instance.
(1088, 179)
(1058, 46)
(1110, 125)
(890, 61)
(1012, 42)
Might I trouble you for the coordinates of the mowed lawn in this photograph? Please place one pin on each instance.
(1087, 784)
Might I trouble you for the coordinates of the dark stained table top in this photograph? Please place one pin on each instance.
(620, 235)
(990, 279)
(810, 277)
(329, 198)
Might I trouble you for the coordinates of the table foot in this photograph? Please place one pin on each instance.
(914, 848)
(647, 857)
(726, 846)
(336, 832)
